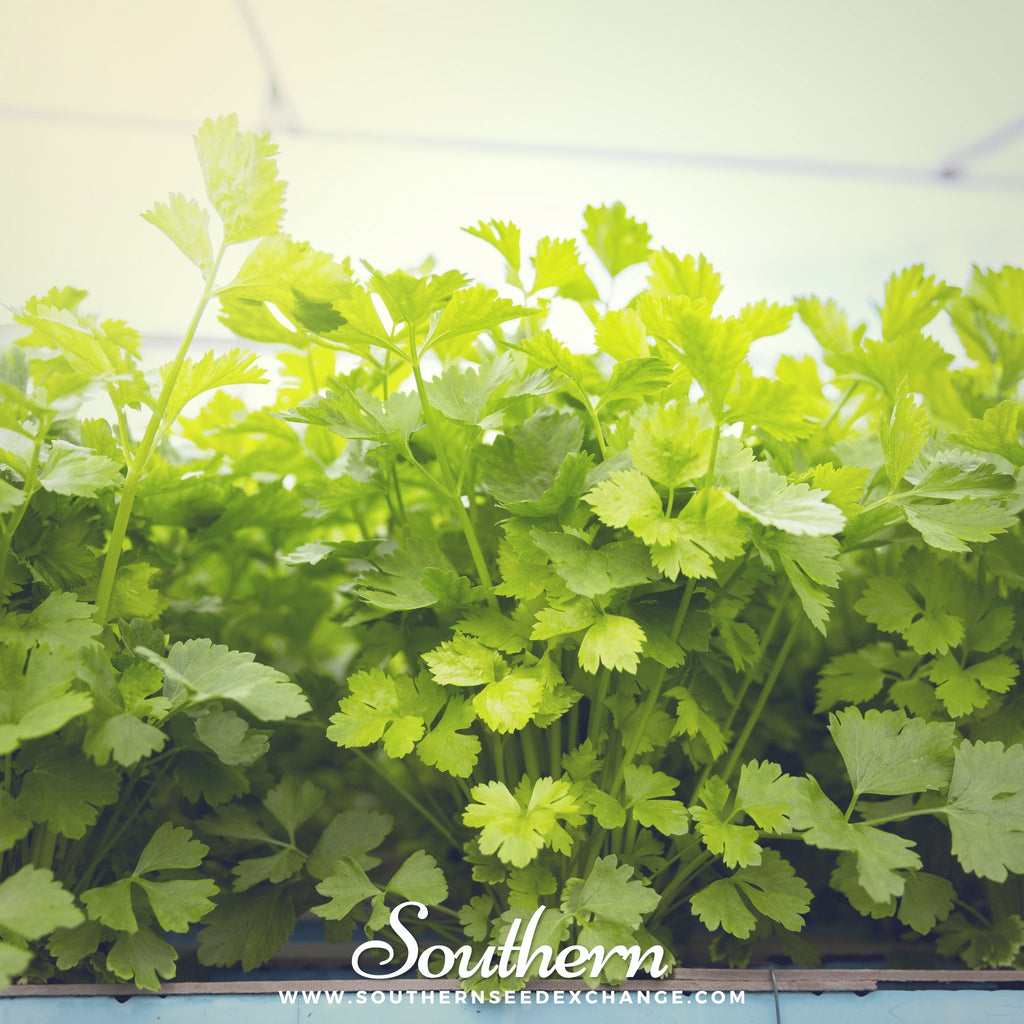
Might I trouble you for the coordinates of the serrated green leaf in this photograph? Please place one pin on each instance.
(446, 747)
(187, 225)
(140, 957)
(963, 689)
(618, 240)
(608, 893)
(903, 436)
(997, 431)
(170, 847)
(927, 900)
(33, 903)
(509, 703)
(557, 265)
(671, 444)
(209, 671)
(346, 886)
(420, 879)
(385, 707)
(248, 927)
(985, 809)
(351, 833)
(649, 797)
(694, 278)
(735, 844)
(912, 301)
(517, 826)
(111, 905)
(614, 641)
(228, 735)
(958, 524)
(75, 471)
(888, 753)
(241, 178)
(882, 857)
(470, 312)
(180, 902)
(772, 888)
(293, 801)
(793, 508)
(64, 789)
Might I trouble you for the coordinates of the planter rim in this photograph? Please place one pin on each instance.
(762, 979)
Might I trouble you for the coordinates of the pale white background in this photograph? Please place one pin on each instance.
(804, 146)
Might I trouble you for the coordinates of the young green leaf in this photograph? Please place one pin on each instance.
(187, 225)
(985, 809)
(241, 178)
(207, 671)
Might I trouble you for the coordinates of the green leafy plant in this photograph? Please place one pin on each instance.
(633, 633)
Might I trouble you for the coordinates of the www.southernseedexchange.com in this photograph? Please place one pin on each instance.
(523, 998)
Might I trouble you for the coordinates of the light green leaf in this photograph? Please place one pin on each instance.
(75, 471)
(511, 702)
(293, 801)
(187, 225)
(33, 903)
(985, 809)
(142, 956)
(352, 833)
(420, 879)
(927, 900)
(888, 753)
(997, 431)
(903, 436)
(794, 508)
(241, 178)
(694, 278)
(384, 706)
(965, 689)
(613, 641)
(671, 444)
(464, 662)
(64, 789)
(209, 671)
(609, 893)
(958, 524)
(557, 265)
(347, 886)
(518, 826)
(447, 748)
(470, 312)
(650, 799)
(180, 902)
(618, 240)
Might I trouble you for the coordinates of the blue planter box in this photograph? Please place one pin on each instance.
(722, 997)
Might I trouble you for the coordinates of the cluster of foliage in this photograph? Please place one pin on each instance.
(585, 612)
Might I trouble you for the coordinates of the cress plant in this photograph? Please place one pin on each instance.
(575, 618)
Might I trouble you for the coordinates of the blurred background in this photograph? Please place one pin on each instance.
(801, 146)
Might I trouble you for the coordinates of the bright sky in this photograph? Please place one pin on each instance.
(798, 145)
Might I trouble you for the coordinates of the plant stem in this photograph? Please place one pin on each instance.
(145, 449)
(430, 416)
(28, 489)
(654, 693)
(412, 801)
(762, 699)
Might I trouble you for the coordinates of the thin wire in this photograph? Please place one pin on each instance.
(775, 993)
(953, 165)
(881, 173)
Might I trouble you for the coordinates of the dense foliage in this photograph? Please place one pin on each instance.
(628, 632)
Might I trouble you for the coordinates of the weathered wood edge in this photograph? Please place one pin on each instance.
(751, 980)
